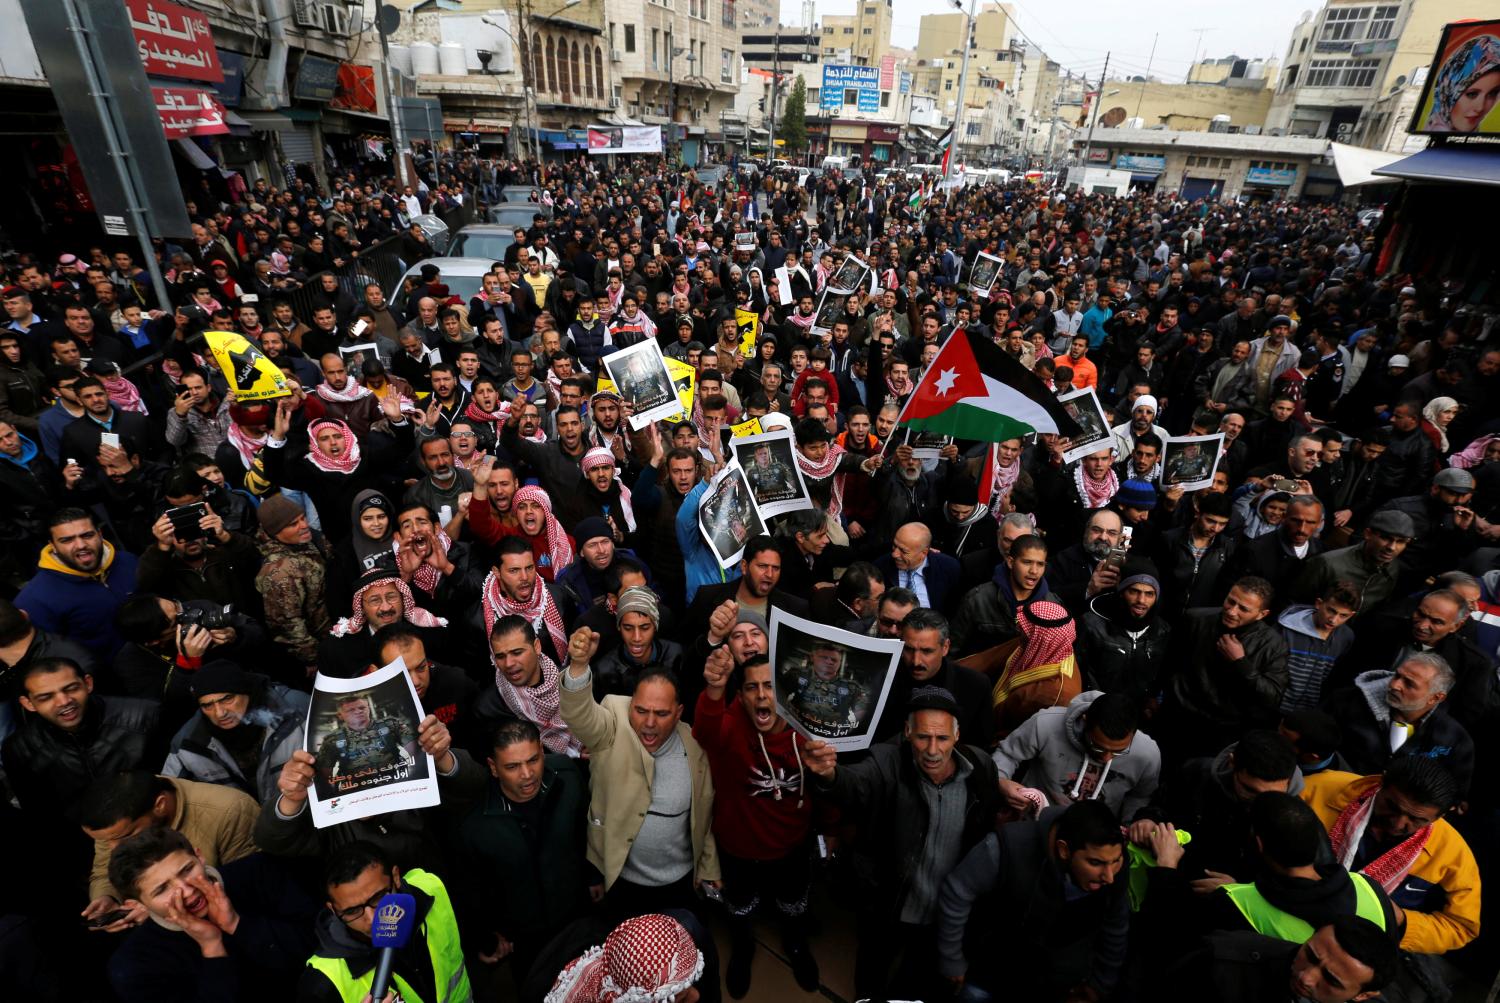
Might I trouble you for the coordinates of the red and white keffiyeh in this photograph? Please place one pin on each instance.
(1095, 494)
(558, 547)
(648, 959)
(601, 457)
(1391, 867)
(353, 391)
(247, 446)
(426, 577)
(542, 706)
(1005, 476)
(414, 614)
(346, 461)
(822, 470)
(499, 416)
(541, 612)
(123, 394)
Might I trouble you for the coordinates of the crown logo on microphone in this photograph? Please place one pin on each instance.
(389, 915)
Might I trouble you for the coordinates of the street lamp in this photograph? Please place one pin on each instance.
(523, 45)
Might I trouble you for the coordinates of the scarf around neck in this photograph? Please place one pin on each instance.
(346, 461)
(541, 704)
(1095, 494)
(352, 391)
(541, 612)
(1391, 867)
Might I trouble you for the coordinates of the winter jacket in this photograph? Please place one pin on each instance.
(48, 768)
(1047, 752)
(702, 566)
(527, 872)
(762, 805)
(1036, 912)
(986, 616)
(616, 672)
(620, 772)
(31, 489)
(1119, 654)
(1190, 582)
(1405, 466)
(1365, 719)
(198, 752)
(1268, 556)
(227, 575)
(970, 687)
(1376, 581)
(1232, 696)
(1441, 890)
(882, 793)
(291, 583)
(80, 606)
(1287, 357)
(23, 395)
(1310, 656)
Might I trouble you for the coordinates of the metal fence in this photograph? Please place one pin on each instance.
(379, 263)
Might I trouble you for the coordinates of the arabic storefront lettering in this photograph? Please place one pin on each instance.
(174, 41)
(1276, 177)
(1138, 164)
(837, 78)
(317, 79)
(187, 111)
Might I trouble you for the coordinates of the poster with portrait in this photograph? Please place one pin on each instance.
(830, 684)
(770, 464)
(983, 273)
(744, 240)
(1189, 461)
(641, 377)
(830, 308)
(1083, 407)
(363, 734)
(1461, 95)
(727, 516)
(848, 276)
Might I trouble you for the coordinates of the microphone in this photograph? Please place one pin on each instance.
(394, 918)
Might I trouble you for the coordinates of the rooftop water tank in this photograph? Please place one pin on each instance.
(424, 58)
(401, 59)
(451, 61)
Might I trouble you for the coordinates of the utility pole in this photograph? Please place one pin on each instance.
(1149, 59)
(1088, 144)
(1052, 129)
(963, 82)
(775, 80)
(398, 127)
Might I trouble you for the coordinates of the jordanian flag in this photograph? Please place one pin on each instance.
(973, 390)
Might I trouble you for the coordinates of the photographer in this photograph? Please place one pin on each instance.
(168, 641)
(194, 556)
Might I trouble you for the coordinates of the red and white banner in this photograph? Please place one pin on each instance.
(187, 111)
(174, 41)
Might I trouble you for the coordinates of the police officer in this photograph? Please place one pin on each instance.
(824, 698)
(363, 742)
(1327, 381)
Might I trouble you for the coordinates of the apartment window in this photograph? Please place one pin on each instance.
(885, 99)
(812, 97)
(851, 96)
(869, 31)
(1383, 24)
(870, 9)
(630, 38)
(655, 42)
(828, 31)
(849, 31)
(1340, 24)
(971, 129)
(1355, 73)
(726, 64)
(947, 85)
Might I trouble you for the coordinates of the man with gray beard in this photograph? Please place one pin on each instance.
(1078, 573)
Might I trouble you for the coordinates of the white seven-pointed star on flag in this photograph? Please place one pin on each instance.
(945, 381)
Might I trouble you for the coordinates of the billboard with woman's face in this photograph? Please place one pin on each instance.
(1463, 87)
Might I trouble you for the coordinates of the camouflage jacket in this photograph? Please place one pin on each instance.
(291, 584)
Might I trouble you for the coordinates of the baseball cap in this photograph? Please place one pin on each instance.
(1398, 362)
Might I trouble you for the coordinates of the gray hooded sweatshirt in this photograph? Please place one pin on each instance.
(1050, 747)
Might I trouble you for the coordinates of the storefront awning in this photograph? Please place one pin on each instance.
(1357, 166)
(266, 121)
(1469, 166)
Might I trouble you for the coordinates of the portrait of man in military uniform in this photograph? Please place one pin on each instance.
(769, 478)
(1188, 463)
(728, 516)
(827, 699)
(364, 746)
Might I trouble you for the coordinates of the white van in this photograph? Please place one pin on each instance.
(835, 163)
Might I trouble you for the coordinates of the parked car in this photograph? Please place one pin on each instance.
(519, 193)
(436, 231)
(514, 214)
(482, 240)
(462, 276)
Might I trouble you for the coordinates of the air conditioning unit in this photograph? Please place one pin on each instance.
(614, 102)
(336, 20)
(307, 14)
(615, 56)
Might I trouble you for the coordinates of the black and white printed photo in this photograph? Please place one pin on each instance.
(641, 378)
(830, 684)
(983, 272)
(727, 516)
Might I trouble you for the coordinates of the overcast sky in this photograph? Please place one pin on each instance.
(1079, 32)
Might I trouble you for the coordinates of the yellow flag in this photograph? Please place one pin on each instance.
(750, 426)
(251, 375)
(749, 325)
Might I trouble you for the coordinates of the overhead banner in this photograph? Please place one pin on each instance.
(251, 375)
(187, 111)
(624, 139)
(174, 41)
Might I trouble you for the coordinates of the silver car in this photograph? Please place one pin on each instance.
(514, 214)
(482, 240)
(463, 276)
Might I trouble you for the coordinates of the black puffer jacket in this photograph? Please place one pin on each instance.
(49, 768)
(1188, 583)
(1120, 654)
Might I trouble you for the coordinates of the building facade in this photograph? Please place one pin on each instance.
(865, 35)
(1221, 166)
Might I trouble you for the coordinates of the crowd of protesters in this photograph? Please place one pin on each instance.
(1143, 743)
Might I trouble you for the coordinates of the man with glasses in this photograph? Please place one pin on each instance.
(1068, 752)
(429, 967)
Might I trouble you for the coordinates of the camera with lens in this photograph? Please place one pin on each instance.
(209, 617)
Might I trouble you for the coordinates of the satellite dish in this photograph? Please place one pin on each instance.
(1113, 117)
(390, 19)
